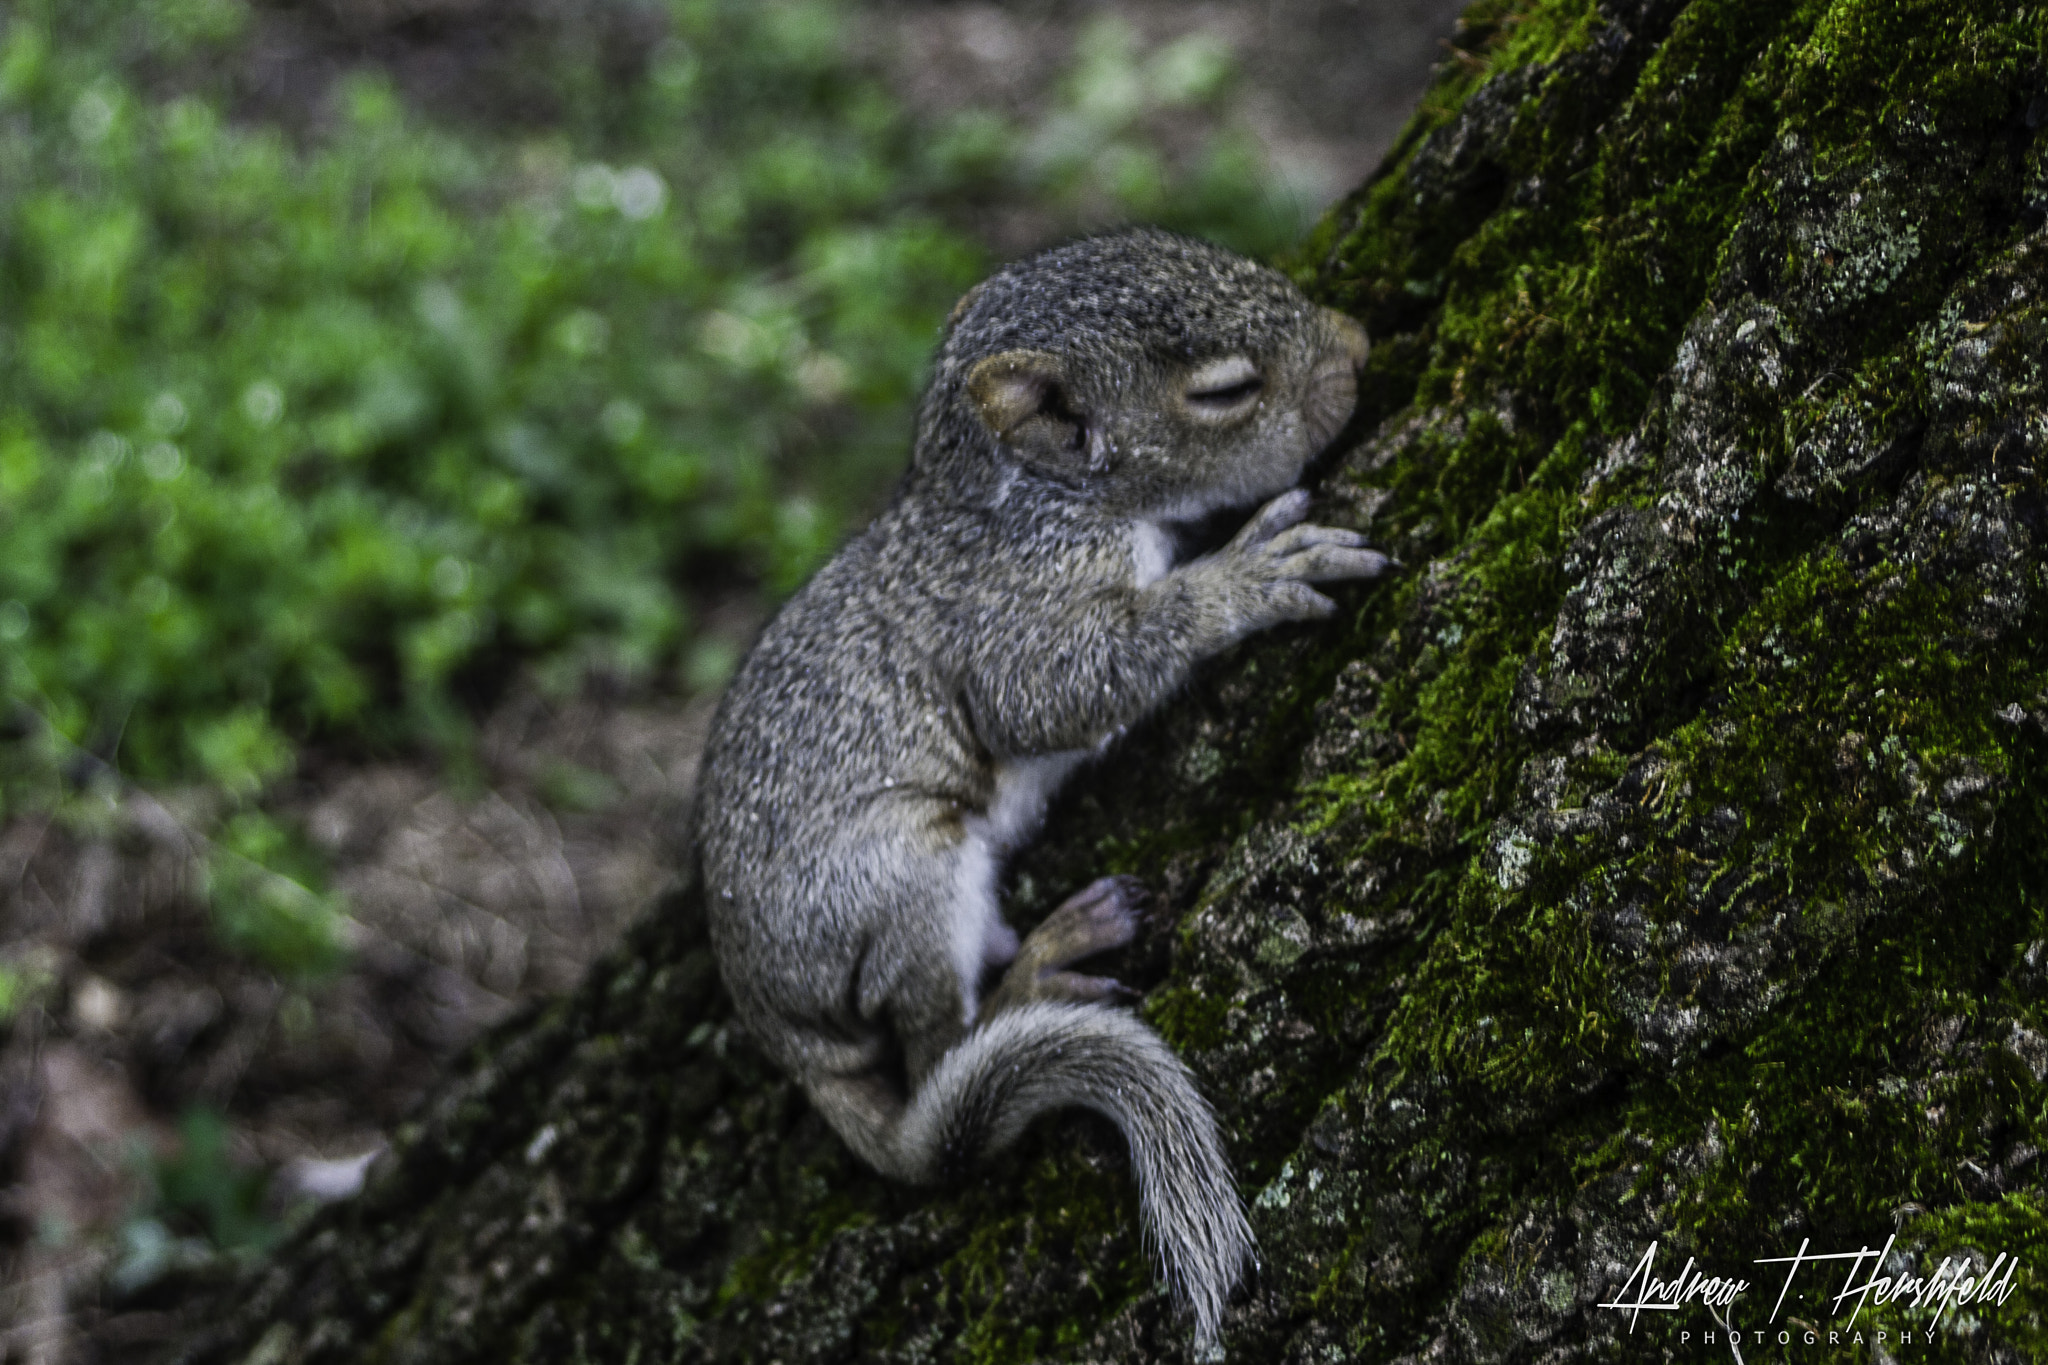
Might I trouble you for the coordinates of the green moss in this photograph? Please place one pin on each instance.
(2015, 1227)
(784, 1257)
(1882, 64)
(1188, 1019)
(1048, 1221)
(1517, 992)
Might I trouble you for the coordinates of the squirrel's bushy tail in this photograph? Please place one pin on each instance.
(1027, 1060)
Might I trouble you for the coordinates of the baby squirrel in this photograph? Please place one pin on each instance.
(899, 727)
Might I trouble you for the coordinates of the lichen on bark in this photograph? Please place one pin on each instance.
(1659, 857)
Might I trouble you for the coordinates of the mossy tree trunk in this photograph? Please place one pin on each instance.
(1660, 857)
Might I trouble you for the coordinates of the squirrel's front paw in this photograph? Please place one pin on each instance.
(1280, 556)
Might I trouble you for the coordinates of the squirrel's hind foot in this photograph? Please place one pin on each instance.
(1100, 916)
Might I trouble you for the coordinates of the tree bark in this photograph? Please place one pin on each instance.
(1658, 858)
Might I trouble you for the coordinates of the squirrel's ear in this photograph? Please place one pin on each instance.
(1010, 389)
(1021, 397)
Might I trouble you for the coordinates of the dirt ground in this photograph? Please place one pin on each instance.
(467, 900)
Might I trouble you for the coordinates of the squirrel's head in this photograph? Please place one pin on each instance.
(1158, 375)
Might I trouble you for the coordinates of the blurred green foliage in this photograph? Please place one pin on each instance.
(325, 437)
(202, 1182)
(13, 992)
(266, 890)
(199, 1201)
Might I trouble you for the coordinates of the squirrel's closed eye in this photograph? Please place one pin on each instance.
(1224, 388)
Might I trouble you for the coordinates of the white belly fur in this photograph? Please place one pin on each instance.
(1151, 553)
(1023, 789)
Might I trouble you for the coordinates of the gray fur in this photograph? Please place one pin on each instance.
(901, 724)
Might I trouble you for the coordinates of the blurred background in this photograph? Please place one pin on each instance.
(409, 409)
